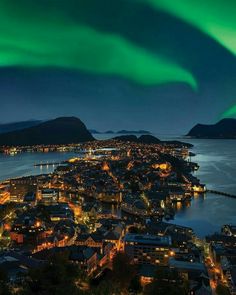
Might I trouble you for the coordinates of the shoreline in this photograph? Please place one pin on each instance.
(191, 215)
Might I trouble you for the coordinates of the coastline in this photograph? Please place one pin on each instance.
(202, 206)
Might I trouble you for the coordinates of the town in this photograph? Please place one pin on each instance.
(107, 214)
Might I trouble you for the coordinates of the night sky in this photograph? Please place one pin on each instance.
(161, 65)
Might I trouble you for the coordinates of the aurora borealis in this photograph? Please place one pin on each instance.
(135, 63)
(99, 53)
(214, 17)
(41, 41)
(230, 113)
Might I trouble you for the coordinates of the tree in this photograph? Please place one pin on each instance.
(4, 289)
(135, 285)
(134, 186)
(134, 230)
(123, 271)
(6, 209)
(43, 212)
(104, 288)
(222, 290)
(166, 281)
(57, 277)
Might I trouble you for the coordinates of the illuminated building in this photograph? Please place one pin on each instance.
(199, 188)
(147, 249)
(27, 230)
(49, 196)
(147, 274)
(105, 167)
(90, 240)
(19, 187)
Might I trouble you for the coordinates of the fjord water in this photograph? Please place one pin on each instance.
(205, 214)
(23, 164)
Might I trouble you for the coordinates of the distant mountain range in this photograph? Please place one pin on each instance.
(8, 127)
(65, 130)
(224, 129)
(13, 126)
(62, 130)
(93, 131)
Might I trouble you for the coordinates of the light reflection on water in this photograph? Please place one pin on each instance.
(217, 160)
(23, 164)
(205, 214)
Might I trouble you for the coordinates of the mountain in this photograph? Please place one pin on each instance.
(148, 139)
(62, 130)
(8, 127)
(225, 129)
(93, 131)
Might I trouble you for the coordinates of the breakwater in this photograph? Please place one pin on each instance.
(221, 193)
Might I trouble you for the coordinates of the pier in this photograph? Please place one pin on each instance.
(47, 164)
(221, 193)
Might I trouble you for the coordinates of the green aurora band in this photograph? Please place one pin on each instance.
(48, 38)
(230, 113)
(216, 18)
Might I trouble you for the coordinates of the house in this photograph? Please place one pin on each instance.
(17, 265)
(49, 197)
(27, 229)
(90, 240)
(85, 256)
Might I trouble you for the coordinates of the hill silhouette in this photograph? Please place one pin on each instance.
(63, 130)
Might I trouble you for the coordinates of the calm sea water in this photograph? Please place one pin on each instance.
(23, 164)
(206, 214)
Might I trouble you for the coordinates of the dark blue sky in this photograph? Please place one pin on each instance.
(113, 101)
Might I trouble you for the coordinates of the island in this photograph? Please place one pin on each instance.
(133, 132)
(94, 131)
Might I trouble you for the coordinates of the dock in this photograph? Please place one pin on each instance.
(47, 164)
(221, 193)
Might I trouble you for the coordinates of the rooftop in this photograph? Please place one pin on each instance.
(191, 266)
(148, 239)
